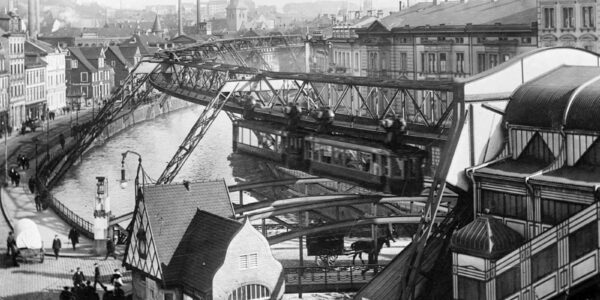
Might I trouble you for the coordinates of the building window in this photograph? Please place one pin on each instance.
(459, 40)
(505, 57)
(587, 16)
(549, 17)
(250, 292)
(469, 288)
(373, 61)
(480, 40)
(356, 61)
(248, 261)
(480, 62)
(568, 17)
(508, 282)
(442, 62)
(431, 63)
(504, 204)
(84, 77)
(554, 211)
(493, 60)
(582, 241)
(525, 40)
(112, 63)
(423, 63)
(74, 64)
(403, 61)
(544, 263)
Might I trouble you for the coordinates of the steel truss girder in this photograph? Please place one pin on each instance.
(131, 90)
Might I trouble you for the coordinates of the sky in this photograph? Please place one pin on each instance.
(279, 3)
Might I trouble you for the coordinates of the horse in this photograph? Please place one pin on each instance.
(366, 246)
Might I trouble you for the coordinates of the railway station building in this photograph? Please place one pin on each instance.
(185, 244)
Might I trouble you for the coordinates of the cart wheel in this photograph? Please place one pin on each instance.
(327, 260)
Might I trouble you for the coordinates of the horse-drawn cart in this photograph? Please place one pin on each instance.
(325, 247)
(29, 241)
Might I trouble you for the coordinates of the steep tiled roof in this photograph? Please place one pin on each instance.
(76, 52)
(486, 237)
(38, 46)
(129, 52)
(202, 250)
(119, 55)
(171, 208)
(100, 31)
(461, 13)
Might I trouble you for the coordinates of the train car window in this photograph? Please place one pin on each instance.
(365, 161)
(308, 150)
(338, 156)
(375, 165)
(351, 159)
(397, 167)
(326, 153)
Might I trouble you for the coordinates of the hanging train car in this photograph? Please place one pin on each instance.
(368, 164)
(270, 141)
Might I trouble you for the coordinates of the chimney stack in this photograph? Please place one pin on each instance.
(180, 18)
(37, 17)
(11, 6)
(31, 17)
(198, 20)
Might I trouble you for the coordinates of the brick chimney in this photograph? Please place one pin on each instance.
(37, 16)
(180, 18)
(31, 18)
(198, 19)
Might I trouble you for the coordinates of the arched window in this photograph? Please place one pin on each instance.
(250, 292)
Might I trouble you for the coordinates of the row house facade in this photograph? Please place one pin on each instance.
(54, 57)
(4, 90)
(568, 23)
(436, 41)
(87, 73)
(35, 87)
(15, 43)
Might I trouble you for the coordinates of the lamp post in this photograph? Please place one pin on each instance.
(123, 181)
(5, 125)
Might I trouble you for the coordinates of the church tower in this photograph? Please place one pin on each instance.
(237, 14)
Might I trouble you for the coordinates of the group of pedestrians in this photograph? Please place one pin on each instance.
(84, 290)
(14, 176)
(23, 162)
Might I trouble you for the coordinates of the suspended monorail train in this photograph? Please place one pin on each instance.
(368, 164)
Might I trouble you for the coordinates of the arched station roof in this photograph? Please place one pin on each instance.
(567, 97)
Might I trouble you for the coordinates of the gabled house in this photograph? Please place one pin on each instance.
(185, 244)
(122, 59)
(86, 69)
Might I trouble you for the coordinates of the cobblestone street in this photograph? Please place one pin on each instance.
(46, 280)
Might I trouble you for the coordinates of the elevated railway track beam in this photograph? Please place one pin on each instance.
(341, 226)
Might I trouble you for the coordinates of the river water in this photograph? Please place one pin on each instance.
(156, 140)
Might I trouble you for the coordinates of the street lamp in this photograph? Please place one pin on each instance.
(123, 180)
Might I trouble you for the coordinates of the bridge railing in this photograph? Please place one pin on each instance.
(333, 278)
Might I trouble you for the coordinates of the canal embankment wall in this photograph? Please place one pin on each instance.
(49, 163)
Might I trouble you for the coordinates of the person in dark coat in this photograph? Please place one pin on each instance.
(110, 249)
(61, 139)
(38, 202)
(56, 245)
(97, 276)
(10, 241)
(66, 294)
(74, 237)
(17, 179)
(15, 254)
(78, 278)
(31, 184)
(13, 175)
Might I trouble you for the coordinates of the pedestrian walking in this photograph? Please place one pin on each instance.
(97, 276)
(110, 249)
(31, 184)
(56, 245)
(74, 237)
(89, 292)
(26, 162)
(17, 178)
(78, 278)
(38, 202)
(10, 241)
(13, 175)
(61, 139)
